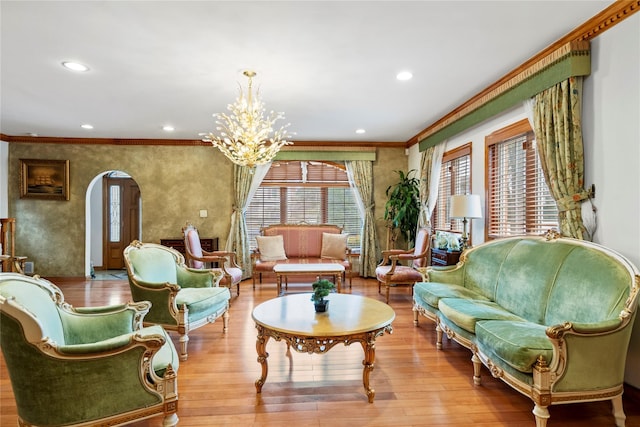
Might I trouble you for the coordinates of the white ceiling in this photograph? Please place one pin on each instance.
(330, 66)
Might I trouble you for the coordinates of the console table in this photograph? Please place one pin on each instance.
(440, 257)
(207, 244)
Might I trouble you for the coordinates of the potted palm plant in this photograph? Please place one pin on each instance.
(403, 206)
(321, 289)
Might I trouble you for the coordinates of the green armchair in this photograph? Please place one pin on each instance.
(182, 298)
(83, 366)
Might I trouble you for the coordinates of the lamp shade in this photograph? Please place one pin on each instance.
(465, 206)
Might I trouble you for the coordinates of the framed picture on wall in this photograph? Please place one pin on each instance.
(44, 179)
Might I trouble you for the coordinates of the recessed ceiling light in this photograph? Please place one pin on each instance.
(86, 126)
(360, 131)
(404, 75)
(168, 128)
(75, 66)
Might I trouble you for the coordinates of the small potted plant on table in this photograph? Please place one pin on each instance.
(321, 289)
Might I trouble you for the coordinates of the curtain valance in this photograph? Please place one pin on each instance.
(572, 59)
(329, 154)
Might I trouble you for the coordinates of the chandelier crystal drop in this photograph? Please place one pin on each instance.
(245, 135)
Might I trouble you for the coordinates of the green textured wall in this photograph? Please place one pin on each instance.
(175, 182)
(388, 161)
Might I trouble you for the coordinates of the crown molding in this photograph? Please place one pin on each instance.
(331, 145)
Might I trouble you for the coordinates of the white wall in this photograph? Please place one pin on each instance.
(611, 133)
(4, 179)
(95, 222)
(611, 118)
(476, 136)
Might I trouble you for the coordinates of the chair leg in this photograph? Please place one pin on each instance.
(225, 322)
(388, 293)
(170, 420)
(184, 340)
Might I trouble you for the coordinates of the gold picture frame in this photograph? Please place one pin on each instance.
(44, 179)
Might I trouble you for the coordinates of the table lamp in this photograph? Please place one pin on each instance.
(465, 206)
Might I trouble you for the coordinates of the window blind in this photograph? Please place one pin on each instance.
(519, 201)
(305, 191)
(455, 178)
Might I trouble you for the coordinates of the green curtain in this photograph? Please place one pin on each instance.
(245, 180)
(558, 128)
(430, 166)
(360, 174)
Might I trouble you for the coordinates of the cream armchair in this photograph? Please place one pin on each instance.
(182, 298)
(83, 366)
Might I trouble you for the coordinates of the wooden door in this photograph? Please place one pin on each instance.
(121, 200)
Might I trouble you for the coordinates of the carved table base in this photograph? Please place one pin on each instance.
(305, 344)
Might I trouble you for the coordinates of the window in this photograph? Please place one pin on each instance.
(305, 191)
(455, 178)
(518, 199)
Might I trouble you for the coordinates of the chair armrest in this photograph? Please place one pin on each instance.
(92, 324)
(386, 255)
(154, 286)
(582, 344)
(198, 278)
(390, 252)
(224, 257)
(558, 331)
(121, 342)
(113, 309)
(406, 257)
(446, 274)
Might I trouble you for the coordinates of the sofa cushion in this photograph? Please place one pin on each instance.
(271, 248)
(401, 274)
(268, 265)
(432, 292)
(519, 344)
(334, 246)
(466, 312)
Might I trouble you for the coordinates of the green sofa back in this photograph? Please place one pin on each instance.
(549, 282)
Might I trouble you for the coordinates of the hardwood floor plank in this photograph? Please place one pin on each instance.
(415, 384)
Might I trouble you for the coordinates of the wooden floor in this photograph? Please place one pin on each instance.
(415, 384)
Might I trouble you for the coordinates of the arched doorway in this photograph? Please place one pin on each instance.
(113, 220)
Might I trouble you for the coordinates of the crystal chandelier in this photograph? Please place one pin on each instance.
(245, 136)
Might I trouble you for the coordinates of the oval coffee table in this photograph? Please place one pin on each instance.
(349, 319)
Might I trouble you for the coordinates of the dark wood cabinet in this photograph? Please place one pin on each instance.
(207, 244)
(440, 257)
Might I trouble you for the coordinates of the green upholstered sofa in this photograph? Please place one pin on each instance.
(550, 316)
(182, 298)
(83, 366)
